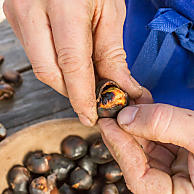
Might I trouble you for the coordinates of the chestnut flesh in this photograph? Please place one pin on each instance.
(60, 165)
(74, 147)
(6, 91)
(37, 162)
(110, 189)
(110, 98)
(111, 172)
(99, 152)
(39, 186)
(88, 165)
(18, 179)
(80, 179)
(3, 132)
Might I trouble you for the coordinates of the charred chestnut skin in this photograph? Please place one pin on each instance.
(74, 147)
(111, 172)
(99, 153)
(110, 189)
(60, 165)
(110, 99)
(37, 162)
(18, 179)
(80, 179)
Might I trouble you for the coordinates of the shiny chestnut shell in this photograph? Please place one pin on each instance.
(39, 186)
(110, 98)
(122, 187)
(110, 189)
(66, 189)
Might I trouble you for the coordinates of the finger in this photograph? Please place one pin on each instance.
(109, 55)
(133, 162)
(73, 41)
(191, 167)
(38, 44)
(159, 122)
(146, 97)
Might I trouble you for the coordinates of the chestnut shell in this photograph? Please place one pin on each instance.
(113, 111)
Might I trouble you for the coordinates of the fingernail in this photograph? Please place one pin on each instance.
(85, 120)
(127, 115)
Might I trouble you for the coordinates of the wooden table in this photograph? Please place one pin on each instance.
(33, 101)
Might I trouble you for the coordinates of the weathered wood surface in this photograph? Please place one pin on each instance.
(33, 101)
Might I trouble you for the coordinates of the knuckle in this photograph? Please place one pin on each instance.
(160, 120)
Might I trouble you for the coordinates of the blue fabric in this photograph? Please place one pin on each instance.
(162, 59)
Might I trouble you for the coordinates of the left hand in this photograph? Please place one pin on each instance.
(155, 164)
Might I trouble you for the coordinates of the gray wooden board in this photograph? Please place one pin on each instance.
(33, 100)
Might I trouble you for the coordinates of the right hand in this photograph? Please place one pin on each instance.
(62, 39)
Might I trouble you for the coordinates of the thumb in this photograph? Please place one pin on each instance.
(159, 122)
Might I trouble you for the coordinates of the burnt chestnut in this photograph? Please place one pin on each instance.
(60, 165)
(96, 187)
(122, 188)
(39, 186)
(18, 179)
(99, 152)
(7, 191)
(110, 189)
(66, 189)
(88, 165)
(6, 91)
(37, 162)
(110, 98)
(12, 77)
(80, 179)
(3, 132)
(111, 172)
(74, 147)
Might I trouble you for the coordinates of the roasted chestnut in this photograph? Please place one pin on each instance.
(6, 91)
(88, 165)
(111, 172)
(122, 188)
(74, 147)
(1, 59)
(3, 132)
(12, 77)
(96, 187)
(66, 189)
(110, 189)
(99, 152)
(39, 186)
(80, 179)
(18, 179)
(110, 98)
(7, 191)
(60, 165)
(37, 162)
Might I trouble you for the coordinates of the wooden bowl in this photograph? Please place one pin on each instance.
(45, 136)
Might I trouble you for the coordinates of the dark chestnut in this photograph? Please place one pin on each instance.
(37, 162)
(110, 189)
(60, 165)
(7, 191)
(66, 189)
(3, 132)
(110, 98)
(122, 188)
(88, 165)
(6, 91)
(39, 186)
(1, 59)
(99, 152)
(80, 179)
(12, 77)
(74, 147)
(111, 172)
(18, 179)
(96, 187)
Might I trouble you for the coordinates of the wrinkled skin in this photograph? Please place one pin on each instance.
(66, 40)
(145, 142)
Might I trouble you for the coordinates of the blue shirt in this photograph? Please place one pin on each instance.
(172, 87)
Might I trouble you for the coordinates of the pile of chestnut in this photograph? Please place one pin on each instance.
(81, 167)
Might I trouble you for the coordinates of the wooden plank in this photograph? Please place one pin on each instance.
(11, 49)
(33, 100)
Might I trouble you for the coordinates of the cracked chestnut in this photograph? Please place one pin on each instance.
(80, 179)
(111, 172)
(110, 189)
(60, 165)
(6, 91)
(37, 162)
(99, 153)
(110, 98)
(74, 147)
(39, 186)
(18, 179)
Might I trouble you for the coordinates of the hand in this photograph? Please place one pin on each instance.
(63, 39)
(158, 165)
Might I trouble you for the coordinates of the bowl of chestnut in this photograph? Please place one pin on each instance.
(63, 156)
